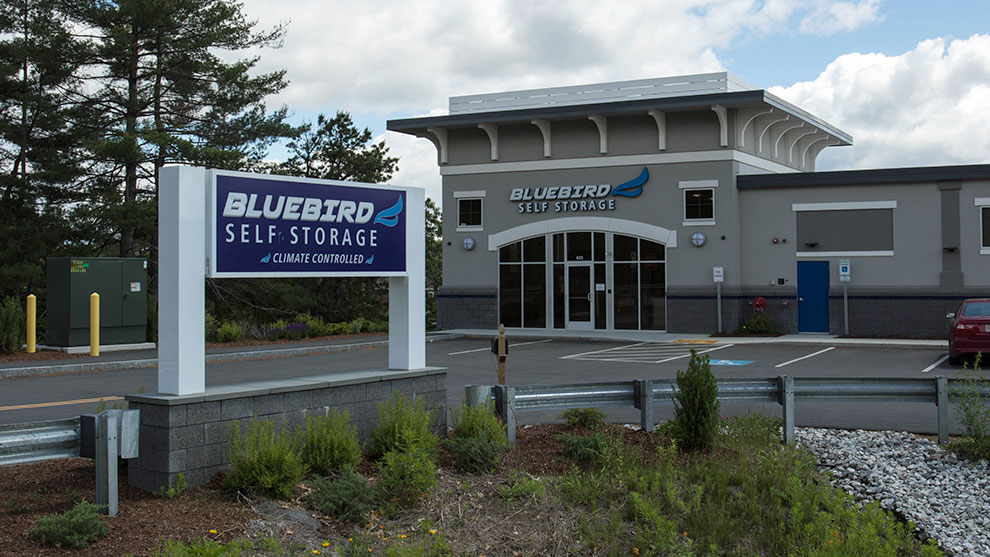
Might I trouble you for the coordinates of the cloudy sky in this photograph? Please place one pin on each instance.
(909, 79)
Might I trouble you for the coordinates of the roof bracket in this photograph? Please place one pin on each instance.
(661, 119)
(492, 131)
(602, 124)
(723, 124)
(544, 126)
(441, 142)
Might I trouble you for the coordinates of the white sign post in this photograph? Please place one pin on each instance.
(718, 275)
(844, 276)
(189, 234)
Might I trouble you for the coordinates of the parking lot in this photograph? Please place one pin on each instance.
(543, 361)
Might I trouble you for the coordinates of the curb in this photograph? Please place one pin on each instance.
(122, 365)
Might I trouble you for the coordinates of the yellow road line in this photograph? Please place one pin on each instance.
(61, 403)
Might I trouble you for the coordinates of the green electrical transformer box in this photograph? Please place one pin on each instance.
(122, 286)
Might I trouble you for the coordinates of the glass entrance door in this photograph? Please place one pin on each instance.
(579, 297)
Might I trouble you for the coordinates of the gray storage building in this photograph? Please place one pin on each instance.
(615, 206)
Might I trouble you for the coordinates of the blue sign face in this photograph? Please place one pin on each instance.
(274, 227)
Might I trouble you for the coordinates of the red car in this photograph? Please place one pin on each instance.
(970, 329)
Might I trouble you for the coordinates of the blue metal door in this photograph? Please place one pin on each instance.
(812, 296)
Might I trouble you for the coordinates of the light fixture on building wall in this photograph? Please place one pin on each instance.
(698, 239)
(468, 243)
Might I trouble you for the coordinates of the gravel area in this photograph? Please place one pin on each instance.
(947, 498)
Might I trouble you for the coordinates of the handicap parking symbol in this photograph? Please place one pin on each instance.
(730, 362)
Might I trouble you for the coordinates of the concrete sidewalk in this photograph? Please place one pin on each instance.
(135, 359)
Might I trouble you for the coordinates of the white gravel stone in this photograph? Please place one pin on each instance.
(947, 498)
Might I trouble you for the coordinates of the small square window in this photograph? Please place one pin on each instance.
(469, 213)
(699, 204)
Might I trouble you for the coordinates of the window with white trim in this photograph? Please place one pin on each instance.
(699, 202)
(470, 210)
(985, 228)
(469, 213)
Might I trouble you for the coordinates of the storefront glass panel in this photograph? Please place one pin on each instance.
(626, 248)
(652, 297)
(535, 249)
(579, 295)
(510, 295)
(601, 297)
(651, 251)
(558, 296)
(511, 253)
(579, 246)
(626, 298)
(535, 296)
(599, 246)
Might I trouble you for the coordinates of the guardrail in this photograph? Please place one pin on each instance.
(36, 441)
(644, 394)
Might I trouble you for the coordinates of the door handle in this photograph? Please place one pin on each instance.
(589, 297)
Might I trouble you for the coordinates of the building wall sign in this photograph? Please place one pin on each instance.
(278, 227)
(573, 199)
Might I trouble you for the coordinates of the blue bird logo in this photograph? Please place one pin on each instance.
(390, 217)
(370, 260)
(633, 187)
(266, 258)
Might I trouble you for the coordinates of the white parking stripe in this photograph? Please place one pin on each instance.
(605, 350)
(699, 352)
(936, 364)
(489, 349)
(805, 357)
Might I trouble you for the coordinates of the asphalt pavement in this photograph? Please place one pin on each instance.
(533, 360)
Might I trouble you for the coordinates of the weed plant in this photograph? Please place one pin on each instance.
(750, 496)
(403, 425)
(205, 547)
(210, 326)
(478, 440)
(696, 406)
(264, 462)
(345, 495)
(404, 478)
(77, 527)
(176, 490)
(330, 442)
(521, 487)
(582, 450)
(12, 325)
(973, 412)
(589, 418)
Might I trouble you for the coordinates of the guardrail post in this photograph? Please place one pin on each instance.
(106, 464)
(643, 389)
(786, 399)
(476, 395)
(505, 408)
(942, 401)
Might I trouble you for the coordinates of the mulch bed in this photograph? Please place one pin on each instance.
(467, 508)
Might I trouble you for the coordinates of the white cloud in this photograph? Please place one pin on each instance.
(927, 106)
(829, 18)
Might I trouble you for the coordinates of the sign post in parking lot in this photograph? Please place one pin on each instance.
(844, 275)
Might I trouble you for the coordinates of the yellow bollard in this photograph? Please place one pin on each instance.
(94, 324)
(32, 322)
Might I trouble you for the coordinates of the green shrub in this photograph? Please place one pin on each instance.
(479, 419)
(174, 491)
(757, 324)
(696, 406)
(12, 325)
(346, 495)
(335, 329)
(211, 327)
(229, 332)
(330, 442)
(317, 327)
(583, 449)
(589, 418)
(477, 454)
(276, 330)
(405, 477)
(973, 412)
(359, 325)
(77, 527)
(479, 438)
(263, 462)
(403, 425)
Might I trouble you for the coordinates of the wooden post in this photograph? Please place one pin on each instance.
(501, 354)
(32, 323)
